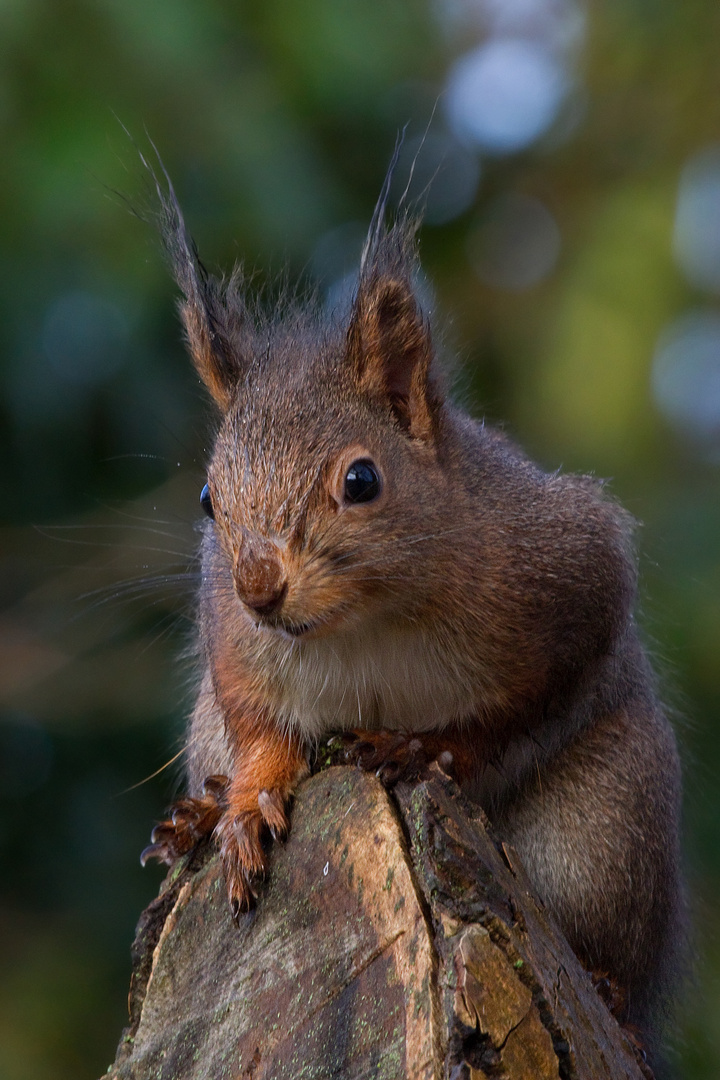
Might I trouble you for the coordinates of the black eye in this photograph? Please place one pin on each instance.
(206, 502)
(362, 482)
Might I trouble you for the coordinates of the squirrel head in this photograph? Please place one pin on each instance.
(325, 470)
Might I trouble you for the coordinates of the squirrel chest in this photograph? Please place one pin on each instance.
(374, 677)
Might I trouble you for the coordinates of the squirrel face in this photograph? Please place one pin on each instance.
(316, 489)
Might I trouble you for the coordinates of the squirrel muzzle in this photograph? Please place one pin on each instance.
(259, 575)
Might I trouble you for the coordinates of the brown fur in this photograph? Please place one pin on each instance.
(478, 609)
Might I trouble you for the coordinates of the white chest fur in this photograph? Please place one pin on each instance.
(373, 677)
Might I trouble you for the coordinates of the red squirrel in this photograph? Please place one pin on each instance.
(377, 562)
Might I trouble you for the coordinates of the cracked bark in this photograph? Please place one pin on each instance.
(399, 940)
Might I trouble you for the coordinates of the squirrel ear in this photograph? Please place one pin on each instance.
(212, 312)
(390, 351)
(209, 314)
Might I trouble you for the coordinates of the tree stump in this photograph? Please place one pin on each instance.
(394, 938)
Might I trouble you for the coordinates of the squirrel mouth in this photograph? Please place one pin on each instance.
(296, 629)
(292, 628)
(287, 626)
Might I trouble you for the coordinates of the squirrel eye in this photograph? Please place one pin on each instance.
(206, 502)
(362, 482)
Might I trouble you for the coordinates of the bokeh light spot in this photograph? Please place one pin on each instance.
(686, 375)
(697, 220)
(505, 94)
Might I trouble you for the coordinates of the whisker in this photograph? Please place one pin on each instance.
(142, 582)
(47, 530)
(183, 750)
(119, 512)
(140, 456)
(114, 545)
(172, 619)
(359, 564)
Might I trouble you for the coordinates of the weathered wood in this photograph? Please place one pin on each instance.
(393, 939)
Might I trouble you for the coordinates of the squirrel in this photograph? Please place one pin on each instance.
(375, 562)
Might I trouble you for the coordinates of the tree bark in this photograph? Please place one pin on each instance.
(394, 938)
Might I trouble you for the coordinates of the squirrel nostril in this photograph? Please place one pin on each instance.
(265, 603)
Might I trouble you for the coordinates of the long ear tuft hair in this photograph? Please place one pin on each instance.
(213, 312)
(389, 344)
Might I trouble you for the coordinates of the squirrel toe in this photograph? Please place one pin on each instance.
(272, 809)
(243, 856)
(190, 821)
(391, 755)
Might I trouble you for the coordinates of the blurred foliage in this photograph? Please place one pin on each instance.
(276, 122)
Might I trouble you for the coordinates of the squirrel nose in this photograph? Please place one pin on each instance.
(258, 573)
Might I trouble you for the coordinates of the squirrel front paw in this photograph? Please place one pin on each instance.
(190, 821)
(241, 838)
(240, 835)
(391, 755)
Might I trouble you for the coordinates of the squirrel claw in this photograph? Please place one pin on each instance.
(242, 893)
(156, 851)
(272, 809)
(391, 755)
(189, 821)
(242, 900)
(446, 762)
(242, 903)
(340, 745)
(341, 740)
(388, 774)
(215, 786)
(614, 996)
(360, 753)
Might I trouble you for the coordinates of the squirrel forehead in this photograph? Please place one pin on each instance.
(299, 399)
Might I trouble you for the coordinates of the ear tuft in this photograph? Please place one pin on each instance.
(208, 316)
(212, 312)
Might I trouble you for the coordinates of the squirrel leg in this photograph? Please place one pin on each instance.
(189, 821)
(269, 766)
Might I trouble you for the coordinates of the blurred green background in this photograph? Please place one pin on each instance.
(572, 251)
